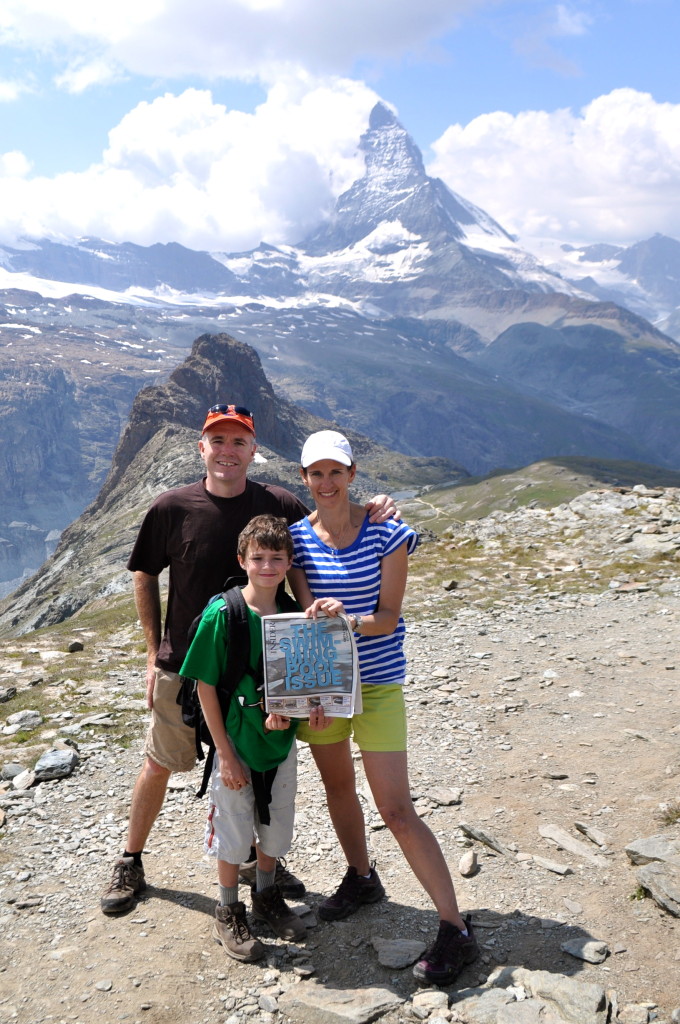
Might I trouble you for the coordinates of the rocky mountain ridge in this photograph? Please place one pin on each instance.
(158, 450)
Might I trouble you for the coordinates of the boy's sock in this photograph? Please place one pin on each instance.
(228, 895)
(137, 857)
(264, 879)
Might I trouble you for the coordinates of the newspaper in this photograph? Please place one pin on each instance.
(310, 663)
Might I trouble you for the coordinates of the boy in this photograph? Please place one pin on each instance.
(253, 783)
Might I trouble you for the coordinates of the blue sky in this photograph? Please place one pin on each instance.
(223, 122)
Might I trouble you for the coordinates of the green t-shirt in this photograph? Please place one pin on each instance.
(206, 660)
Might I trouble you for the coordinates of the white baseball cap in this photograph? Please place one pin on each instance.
(326, 444)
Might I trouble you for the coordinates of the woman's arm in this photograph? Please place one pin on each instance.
(384, 620)
(300, 587)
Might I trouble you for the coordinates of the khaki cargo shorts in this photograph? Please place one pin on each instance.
(169, 742)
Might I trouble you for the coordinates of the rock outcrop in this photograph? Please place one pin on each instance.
(158, 450)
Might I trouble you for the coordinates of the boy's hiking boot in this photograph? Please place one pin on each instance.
(448, 955)
(352, 893)
(270, 906)
(231, 929)
(127, 880)
(291, 887)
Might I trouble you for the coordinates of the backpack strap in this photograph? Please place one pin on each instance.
(238, 659)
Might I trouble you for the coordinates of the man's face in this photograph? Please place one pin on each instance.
(227, 450)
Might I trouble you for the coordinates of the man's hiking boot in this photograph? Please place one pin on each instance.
(270, 906)
(291, 887)
(448, 955)
(127, 880)
(352, 893)
(231, 929)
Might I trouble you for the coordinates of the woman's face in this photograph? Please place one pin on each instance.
(328, 482)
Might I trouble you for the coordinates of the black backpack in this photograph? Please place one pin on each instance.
(238, 665)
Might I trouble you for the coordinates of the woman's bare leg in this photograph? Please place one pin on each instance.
(387, 775)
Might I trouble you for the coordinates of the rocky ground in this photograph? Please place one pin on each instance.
(532, 710)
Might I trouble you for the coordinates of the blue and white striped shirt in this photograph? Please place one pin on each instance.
(352, 575)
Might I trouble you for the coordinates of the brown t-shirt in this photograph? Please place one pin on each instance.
(195, 534)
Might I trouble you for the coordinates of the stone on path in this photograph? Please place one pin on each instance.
(467, 865)
(566, 842)
(56, 764)
(654, 848)
(552, 865)
(23, 780)
(633, 1013)
(662, 882)
(594, 951)
(552, 998)
(397, 953)
(310, 1003)
(444, 797)
(590, 832)
(431, 999)
(486, 838)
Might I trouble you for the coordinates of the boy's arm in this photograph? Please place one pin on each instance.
(231, 770)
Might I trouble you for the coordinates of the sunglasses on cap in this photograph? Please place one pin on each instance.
(239, 413)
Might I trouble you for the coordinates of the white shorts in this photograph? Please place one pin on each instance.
(233, 819)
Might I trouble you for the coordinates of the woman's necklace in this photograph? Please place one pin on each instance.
(336, 537)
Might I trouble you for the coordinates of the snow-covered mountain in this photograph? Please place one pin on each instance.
(409, 315)
(397, 243)
(644, 277)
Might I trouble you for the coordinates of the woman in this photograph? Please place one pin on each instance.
(343, 563)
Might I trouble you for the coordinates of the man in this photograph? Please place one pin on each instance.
(192, 530)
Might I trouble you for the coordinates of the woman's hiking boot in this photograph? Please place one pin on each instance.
(448, 955)
(352, 893)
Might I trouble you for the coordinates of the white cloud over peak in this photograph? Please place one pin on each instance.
(611, 171)
(186, 169)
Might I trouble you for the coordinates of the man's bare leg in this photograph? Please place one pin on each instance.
(128, 872)
(147, 800)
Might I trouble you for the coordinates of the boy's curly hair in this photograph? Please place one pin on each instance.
(265, 531)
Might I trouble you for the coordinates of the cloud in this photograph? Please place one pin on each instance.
(184, 168)
(12, 89)
(215, 39)
(81, 75)
(553, 23)
(14, 165)
(612, 171)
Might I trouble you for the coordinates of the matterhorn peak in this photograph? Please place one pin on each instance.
(395, 190)
(390, 151)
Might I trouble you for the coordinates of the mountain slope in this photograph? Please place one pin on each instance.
(158, 450)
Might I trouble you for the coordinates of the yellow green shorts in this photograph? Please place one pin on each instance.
(380, 726)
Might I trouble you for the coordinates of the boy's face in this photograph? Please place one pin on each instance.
(265, 567)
